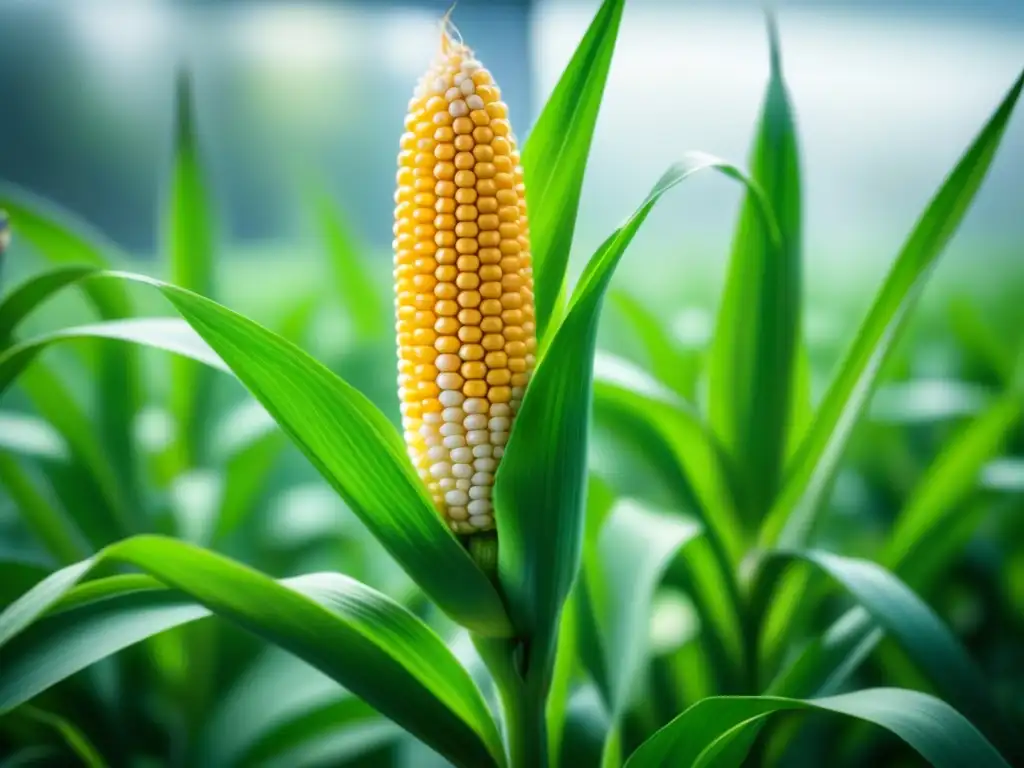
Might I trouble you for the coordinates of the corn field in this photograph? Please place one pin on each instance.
(514, 522)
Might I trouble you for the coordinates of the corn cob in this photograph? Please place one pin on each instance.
(463, 284)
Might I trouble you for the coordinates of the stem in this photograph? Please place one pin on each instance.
(523, 702)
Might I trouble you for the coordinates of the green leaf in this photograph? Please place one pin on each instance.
(628, 391)
(21, 301)
(47, 522)
(555, 158)
(929, 515)
(190, 243)
(370, 644)
(66, 731)
(757, 334)
(793, 517)
(26, 435)
(633, 551)
(717, 731)
(912, 624)
(539, 487)
(358, 294)
(350, 442)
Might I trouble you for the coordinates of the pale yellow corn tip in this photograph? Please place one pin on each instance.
(463, 285)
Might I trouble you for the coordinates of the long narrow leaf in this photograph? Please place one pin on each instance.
(367, 642)
(708, 732)
(751, 366)
(555, 157)
(793, 517)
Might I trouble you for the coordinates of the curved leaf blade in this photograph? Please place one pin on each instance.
(364, 640)
(757, 334)
(702, 734)
(793, 517)
(555, 157)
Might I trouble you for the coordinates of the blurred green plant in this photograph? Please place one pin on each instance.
(116, 657)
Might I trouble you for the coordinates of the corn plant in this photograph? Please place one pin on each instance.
(487, 503)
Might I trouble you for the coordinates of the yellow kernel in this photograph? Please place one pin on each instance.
(510, 264)
(503, 164)
(422, 215)
(423, 336)
(512, 317)
(444, 151)
(467, 281)
(490, 272)
(444, 205)
(514, 333)
(515, 349)
(471, 333)
(464, 160)
(491, 325)
(444, 170)
(425, 200)
(496, 360)
(499, 394)
(446, 255)
(465, 195)
(423, 185)
(446, 291)
(490, 239)
(499, 377)
(424, 371)
(464, 143)
(490, 290)
(500, 127)
(466, 245)
(444, 239)
(509, 231)
(423, 301)
(465, 179)
(423, 317)
(483, 134)
(489, 256)
(425, 264)
(479, 117)
(471, 352)
(445, 134)
(486, 188)
(487, 221)
(474, 370)
(446, 345)
(510, 247)
(483, 153)
(497, 110)
(509, 213)
(506, 196)
(434, 104)
(475, 388)
(446, 274)
(468, 263)
(485, 170)
(427, 390)
(520, 379)
(471, 299)
(469, 317)
(482, 79)
(465, 212)
(444, 189)
(517, 364)
(448, 308)
(487, 204)
(462, 125)
(511, 301)
(446, 326)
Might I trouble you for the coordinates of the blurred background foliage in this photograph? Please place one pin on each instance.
(886, 95)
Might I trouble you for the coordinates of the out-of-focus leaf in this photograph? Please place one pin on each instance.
(939, 496)
(26, 435)
(629, 392)
(793, 517)
(719, 731)
(591, 737)
(343, 435)
(190, 243)
(47, 522)
(539, 487)
(66, 731)
(633, 551)
(555, 158)
(913, 625)
(367, 642)
(359, 296)
(757, 334)
(23, 299)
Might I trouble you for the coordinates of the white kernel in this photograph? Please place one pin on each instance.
(432, 439)
(473, 101)
(480, 492)
(454, 441)
(467, 86)
(475, 421)
(452, 428)
(459, 78)
(446, 484)
(409, 436)
(462, 470)
(475, 405)
(476, 436)
(449, 380)
(441, 469)
(431, 418)
(499, 424)
(456, 498)
(439, 118)
(424, 474)
(499, 438)
(485, 465)
(499, 451)
(452, 414)
(463, 455)
(451, 397)
(437, 453)
(463, 484)
(517, 393)
(481, 521)
(483, 478)
(470, 65)
(479, 507)
(440, 85)
(453, 93)
(482, 451)
(458, 513)
(427, 430)
(458, 108)
(499, 409)
(515, 405)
